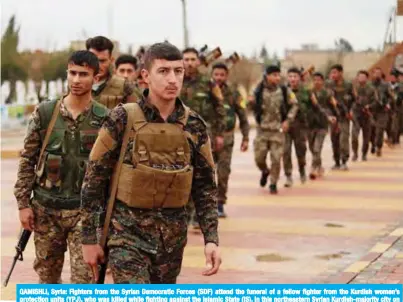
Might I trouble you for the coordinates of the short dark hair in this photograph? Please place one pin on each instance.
(162, 51)
(99, 43)
(220, 66)
(126, 59)
(191, 49)
(319, 74)
(363, 72)
(294, 70)
(85, 58)
(338, 67)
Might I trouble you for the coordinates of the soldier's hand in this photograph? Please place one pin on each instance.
(27, 219)
(350, 115)
(93, 254)
(213, 259)
(332, 119)
(219, 143)
(244, 146)
(285, 126)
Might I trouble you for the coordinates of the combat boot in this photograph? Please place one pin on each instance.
(343, 166)
(364, 157)
(302, 175)
(220, 210)
(373, 150)
(273, 189)
(355, 157)
(263, 178)
(336, 165)
(379, 152)
(288, 182)
(313, 174)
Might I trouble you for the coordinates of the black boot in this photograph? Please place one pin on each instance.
(273, 189)
(336, 165)
(263, 178)
(220, 210)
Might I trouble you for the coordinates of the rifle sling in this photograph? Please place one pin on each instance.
(115, 175)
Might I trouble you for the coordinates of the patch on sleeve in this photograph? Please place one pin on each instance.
(103, 144)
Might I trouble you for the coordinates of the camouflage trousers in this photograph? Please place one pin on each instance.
(132, 265)
(395, 127)
(381, 123)
(341, 141)
(298, 135)
(273, 142)
(361, 124)
(223, 160)
(316, 138)
(54, 231)
(399, 124)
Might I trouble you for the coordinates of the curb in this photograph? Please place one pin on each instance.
(351, 272)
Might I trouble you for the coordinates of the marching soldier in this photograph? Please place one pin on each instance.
(363, 107)
(126, 67)
(205, 98)
(322, 111)
(53, 163)
(340, 135)
(275, 109)
(297, 132)
(160, 153)
(108, 89)
(232, 104)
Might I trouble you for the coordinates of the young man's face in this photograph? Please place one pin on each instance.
(318, 82)
(165, 78)
(335, 75)
(80, 79)
(294, 79)
(362, 78)
(191, 62)
(127, 71)
(105, 60)
(273, 78)
(377, 74)
(220, 75)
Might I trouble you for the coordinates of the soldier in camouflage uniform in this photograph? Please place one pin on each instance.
(109, 89)
(365, 102)
(55, 179)
(126, 67)
(340, 135)
(166, 157)
(298, 129)
(381, 110)
(275, 109)
(232, 104)
(204, 97)
(320, 113)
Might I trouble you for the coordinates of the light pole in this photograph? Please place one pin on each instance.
(185, 28)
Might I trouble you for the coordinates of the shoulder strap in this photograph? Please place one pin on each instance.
(138, 118)
(115, 176)
(49, 132)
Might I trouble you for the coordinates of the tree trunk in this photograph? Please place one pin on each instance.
(13, 92)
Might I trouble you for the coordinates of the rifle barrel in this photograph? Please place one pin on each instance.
(11, 269)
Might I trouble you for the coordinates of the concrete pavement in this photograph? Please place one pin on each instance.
(305, 234)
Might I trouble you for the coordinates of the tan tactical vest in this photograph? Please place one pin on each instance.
(113, 92)
(159, 149)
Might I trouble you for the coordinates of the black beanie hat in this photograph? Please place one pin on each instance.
(272, 68)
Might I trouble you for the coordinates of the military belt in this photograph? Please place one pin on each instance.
(57, 203)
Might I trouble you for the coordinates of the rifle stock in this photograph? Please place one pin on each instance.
(20, 247)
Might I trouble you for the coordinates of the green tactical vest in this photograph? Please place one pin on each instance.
(62, 168)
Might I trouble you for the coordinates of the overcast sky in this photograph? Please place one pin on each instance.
(240, 25)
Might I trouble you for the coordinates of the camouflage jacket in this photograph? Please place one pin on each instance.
(344, 96)
(318, 113)
(30, 153)
(143, 228)
(233, 106)
(272, 103)
(202, 96)
(384, 94)
(365, 96)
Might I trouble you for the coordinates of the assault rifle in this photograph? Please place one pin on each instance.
(22, 243)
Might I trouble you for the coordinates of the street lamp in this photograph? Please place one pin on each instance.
(185, 28)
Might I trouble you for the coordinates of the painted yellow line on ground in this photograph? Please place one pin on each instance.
(339, 185)
(302, 227)
(398, 232)
(319, 202)
(379, 248)
(245, 260)
(357, 267)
